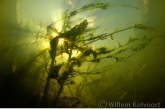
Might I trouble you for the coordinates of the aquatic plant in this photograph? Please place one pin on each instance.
(74, 42)
(77, 39)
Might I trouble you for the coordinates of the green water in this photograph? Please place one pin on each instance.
(123, 67)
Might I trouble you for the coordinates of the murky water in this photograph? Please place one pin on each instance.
(99, 54)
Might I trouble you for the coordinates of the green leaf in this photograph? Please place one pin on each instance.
(90, 7)
(82, 37)
(66, 19)
(94, 6)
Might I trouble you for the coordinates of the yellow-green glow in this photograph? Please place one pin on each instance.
(61, 41)
(105, 69)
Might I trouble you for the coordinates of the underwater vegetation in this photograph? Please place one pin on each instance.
(61, 67)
